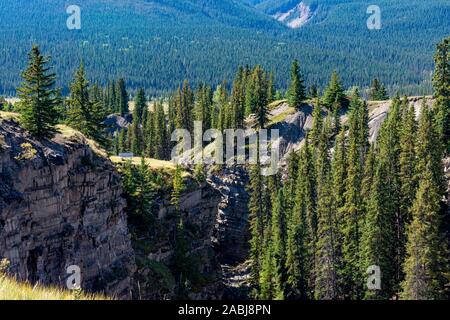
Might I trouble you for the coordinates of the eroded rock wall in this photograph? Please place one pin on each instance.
(61, 205)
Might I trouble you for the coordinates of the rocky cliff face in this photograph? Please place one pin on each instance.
(156, 249)
(61, 205)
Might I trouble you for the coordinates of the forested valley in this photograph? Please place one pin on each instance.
(344, 209)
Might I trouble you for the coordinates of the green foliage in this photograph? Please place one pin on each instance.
(178, 187)
(377, 91)
(39, 100)
(426, 265)
(139, 190)
(441, 83)
(28, 152)
(160, 47)
(296, 93)
(83, 113)
(333, 96)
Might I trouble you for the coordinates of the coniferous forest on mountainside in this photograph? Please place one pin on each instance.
(359, 208)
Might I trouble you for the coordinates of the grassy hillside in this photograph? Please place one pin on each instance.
(13, 290)
(10, 289)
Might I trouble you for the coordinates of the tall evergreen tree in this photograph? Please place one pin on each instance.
(39, 99)
(278, 233)
(426, 265)
(256, 219)
(333, 92)
(327, 258)
(136, 133)
(352, 212)
(377, 91)
(140, 103)
(441, 84)
(297, 91)
(184, 104)
(122, 97)
(83, 114)
(256, 96)
(159, 133)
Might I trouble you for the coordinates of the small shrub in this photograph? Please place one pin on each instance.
(28, 152)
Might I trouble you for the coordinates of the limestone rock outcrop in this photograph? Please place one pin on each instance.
(61, 205)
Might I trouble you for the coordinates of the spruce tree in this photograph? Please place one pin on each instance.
(377, 91)
(317, 123)
(378, 240)
(327, 259)
(271, 88)
(426, 265)
(256, 96)
(333, 92)
(122, 97)
(267, 290)
(83, 114)
(159, 140)
(300, 236)
(296, 93)
(140, 103)
(278, 242)
(352, 212)
(255, 207)
(441, 84)
(39, 99)
(407, 174)
(184, 104)
(136, 134)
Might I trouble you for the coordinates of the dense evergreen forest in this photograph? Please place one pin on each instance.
(346, 206)
(157, 44)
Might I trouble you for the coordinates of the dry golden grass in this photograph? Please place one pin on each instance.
(10, 289)
(9, 116)
(153, 164)
(67, 132)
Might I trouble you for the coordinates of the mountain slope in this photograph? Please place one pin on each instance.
(157, 44)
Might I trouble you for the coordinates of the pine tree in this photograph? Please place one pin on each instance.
(313, 92)
(296, 93)
(278, 242)
(203, 106)
(122, 141)
(184, 104)
(378, 241)
(390, 149)
(159, 133)
(238, 99)
(266, 275)
(352, 212)
(339, 170)
(303, 230)
(122, 97)
(377, 91)
(177, 188)
(140, 104)
(39, 100)
(255, 207)
(136, 134)
(83, 114)
(327, 258)
(441, 84)
(317, 123)
(271, 88)
(256, 96)
(407, 174)
(113, 98)
(334, 92)
(150, 134)
(426, 265)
